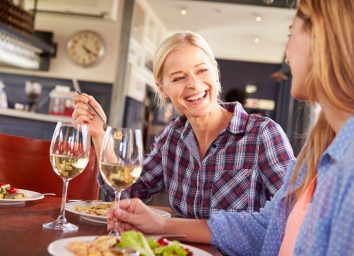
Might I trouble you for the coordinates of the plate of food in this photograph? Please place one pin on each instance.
(131, 243)
(10, 195)
(96, 211)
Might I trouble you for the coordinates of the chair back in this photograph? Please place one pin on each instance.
(25, 164)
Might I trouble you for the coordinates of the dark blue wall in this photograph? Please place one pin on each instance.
(237, 74)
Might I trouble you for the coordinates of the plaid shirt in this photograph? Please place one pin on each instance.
(242, 169)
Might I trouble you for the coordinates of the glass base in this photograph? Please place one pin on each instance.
(61, 225)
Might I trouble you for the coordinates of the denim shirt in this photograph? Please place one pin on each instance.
(328, 227)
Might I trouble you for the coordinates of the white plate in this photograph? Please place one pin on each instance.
(70, 207)
(31, 197)
(59, 247)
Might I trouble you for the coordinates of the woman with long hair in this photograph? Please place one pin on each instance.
(313, 212)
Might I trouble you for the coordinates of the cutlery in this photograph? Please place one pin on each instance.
(169, 236)
(48, 194)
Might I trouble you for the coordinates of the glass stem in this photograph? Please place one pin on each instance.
(63, 201)
(117, 194)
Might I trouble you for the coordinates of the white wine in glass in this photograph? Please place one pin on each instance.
(69, 155)
(121, 160)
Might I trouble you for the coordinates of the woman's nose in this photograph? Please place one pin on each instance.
(192, 81)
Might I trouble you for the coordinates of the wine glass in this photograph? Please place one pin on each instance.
(121, 160)
(69, 155)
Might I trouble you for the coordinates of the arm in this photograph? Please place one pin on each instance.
(235, 233)
(341, 238)
(274, 154)
(135, 214)
(242, 233)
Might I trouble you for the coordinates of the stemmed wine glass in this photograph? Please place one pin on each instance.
(121, 160)
(69, 155)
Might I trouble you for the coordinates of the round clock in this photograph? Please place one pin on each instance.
(85, 48)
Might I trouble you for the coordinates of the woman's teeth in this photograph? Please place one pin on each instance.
(196, 97)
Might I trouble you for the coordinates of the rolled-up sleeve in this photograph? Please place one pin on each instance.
(274, 155)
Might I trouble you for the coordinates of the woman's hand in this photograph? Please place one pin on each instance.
(134, 214)
(83, 114)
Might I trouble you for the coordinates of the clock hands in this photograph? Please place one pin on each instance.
(88, 51)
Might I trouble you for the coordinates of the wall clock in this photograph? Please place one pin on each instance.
(86, 48)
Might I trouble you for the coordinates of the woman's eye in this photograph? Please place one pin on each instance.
(176, 79)
(203, 70)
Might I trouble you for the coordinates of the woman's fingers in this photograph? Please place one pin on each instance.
(81, 114)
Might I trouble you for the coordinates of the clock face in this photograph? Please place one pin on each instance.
(85, 48)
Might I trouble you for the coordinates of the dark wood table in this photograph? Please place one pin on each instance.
(21, 231)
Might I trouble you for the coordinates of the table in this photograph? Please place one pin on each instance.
(21, 230)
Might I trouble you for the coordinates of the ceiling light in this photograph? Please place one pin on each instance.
(251, 88)
(183, 11)
(259, 18)
(256, 40)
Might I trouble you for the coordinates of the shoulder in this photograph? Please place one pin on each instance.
(264, 125)
(174, 127)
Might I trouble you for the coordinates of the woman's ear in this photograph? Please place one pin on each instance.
(160, 87)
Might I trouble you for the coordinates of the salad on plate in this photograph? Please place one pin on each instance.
(130, 243)
(9, 192)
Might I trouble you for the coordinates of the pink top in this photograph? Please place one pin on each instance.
(295, 220)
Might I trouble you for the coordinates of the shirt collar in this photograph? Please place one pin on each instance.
(342, 141)
(239, 118)
(237, 124)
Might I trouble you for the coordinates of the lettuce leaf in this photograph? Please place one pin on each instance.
(135, 240)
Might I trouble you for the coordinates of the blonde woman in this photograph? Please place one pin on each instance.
(213, 156)
(313, 212)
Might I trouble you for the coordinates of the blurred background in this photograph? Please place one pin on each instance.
(40, 64)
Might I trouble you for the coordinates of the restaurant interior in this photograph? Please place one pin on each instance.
(40, 69)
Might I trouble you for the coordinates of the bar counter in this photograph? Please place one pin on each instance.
(29, 124)
(33, 116)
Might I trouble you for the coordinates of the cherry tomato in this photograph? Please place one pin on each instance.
(12, 190)
(163, 241)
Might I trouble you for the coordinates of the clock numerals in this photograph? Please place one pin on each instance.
(85, 48)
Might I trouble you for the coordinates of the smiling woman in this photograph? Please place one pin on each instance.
(211, 157)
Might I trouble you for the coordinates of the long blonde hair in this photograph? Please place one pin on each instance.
(177, 41)
(331, 61)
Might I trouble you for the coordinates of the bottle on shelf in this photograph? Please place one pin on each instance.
(3, 97)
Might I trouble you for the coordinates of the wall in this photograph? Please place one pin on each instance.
(237, 74)
(63, 26)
